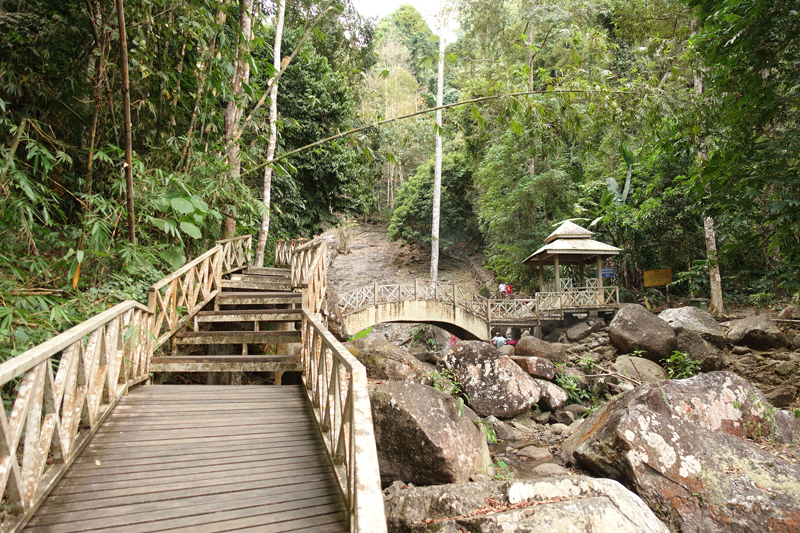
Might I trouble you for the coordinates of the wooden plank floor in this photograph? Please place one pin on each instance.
(200, 458)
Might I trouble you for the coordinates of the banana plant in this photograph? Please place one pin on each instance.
(630, 160)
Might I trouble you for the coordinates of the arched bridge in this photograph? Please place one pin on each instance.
(464, 312)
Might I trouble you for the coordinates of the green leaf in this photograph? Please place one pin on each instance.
(79, 256)
(21, 335)
(174, 256)
(199, 204)
(191, 230)
(182, 205)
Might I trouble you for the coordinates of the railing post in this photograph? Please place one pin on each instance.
(416, 289)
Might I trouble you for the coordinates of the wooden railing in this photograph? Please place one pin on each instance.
(336, 384)
(57, 412)
(283, 252)
(310, 273)
(492, 310)
(236, 253)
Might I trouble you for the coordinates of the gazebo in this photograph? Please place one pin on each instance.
(570, 244)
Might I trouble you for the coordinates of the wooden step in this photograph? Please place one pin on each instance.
(262, 278)
(258, 298)
(227, 363)
(255, 285)
(234, 337)
(260, 315)
(269, 271)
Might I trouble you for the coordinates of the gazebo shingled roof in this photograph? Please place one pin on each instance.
(573, 245)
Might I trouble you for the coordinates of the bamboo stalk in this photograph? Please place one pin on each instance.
(126, 127)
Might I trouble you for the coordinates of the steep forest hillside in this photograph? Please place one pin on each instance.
(666, 127)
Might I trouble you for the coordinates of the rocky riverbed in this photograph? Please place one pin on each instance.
(582, 427)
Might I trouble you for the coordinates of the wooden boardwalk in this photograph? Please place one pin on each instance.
(200, 458)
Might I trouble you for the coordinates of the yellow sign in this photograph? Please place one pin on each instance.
(654, 278)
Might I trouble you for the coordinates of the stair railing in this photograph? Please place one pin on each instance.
(58, 411)
(336, 385)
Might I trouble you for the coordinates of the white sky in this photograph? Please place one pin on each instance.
(429, 9)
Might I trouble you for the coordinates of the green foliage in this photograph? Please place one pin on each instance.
(571, 385)
(488, 431)
(502, 471)
(411, 220)
(681, 366)
(761, 299)
(361, 334)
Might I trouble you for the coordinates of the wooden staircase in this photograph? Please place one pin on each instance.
(254, 308)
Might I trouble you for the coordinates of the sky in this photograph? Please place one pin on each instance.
(427, 8)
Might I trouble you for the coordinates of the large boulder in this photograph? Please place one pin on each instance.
(422, 437)
(532, 347)
(699, 336)
(494, 383)
(634, 328)
(694, 319)
(547, 505)
(538, 367)
(336, 323)
(583, 329)
(683, 445)
(639, 368)
(552, 396)
(385, 361)
(756, 332)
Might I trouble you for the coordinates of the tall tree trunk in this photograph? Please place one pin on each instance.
(437, 180)
(126, 118)
(716, 307)
(273, 136)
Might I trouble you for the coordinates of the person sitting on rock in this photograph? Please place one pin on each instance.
(498, 340)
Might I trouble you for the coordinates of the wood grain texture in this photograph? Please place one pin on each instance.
(200, 458)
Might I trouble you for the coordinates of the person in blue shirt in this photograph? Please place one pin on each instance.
(498, 340)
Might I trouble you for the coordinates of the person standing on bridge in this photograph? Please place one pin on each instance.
(502, 289)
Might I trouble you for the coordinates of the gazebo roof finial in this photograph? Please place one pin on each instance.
(569, 230)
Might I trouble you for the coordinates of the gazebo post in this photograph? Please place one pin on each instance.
(558, 274)
(580, 270)
(599, 272)
(541, 275)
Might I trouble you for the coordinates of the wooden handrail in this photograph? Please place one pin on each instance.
(57, 413)
(336, 385)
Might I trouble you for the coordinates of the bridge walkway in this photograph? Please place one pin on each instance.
(200, 458)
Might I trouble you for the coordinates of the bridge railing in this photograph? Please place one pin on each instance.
(283, 252)
(521, 309)
(237, 253)
(336, 385)
(54, 413)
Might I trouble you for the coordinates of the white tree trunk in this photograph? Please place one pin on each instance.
(716, 307)
(437, 180)
(241, 74)
(273, 136)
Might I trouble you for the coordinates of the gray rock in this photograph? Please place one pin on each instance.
(740, 350)
(553, 504)
(495, 385)
(556, 335)
(781, 396)
(422, 438)
(575, 426)
(796, 342)
(756, 332)
(581, 381)
(335, 319)
(785, 368)
(550, 469)
(634, 328)
(533, 347)
(639, 368)
(581, 330)
(564, 417)
(543, 417)
(790, 313)
(558, 429)
(538, 367)
(506, 349)
(536, 453)
(695, 320)
(683, 444)
(699, 349)
(552, 396)
(575, 408)
(385, 361)
(502, 431)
